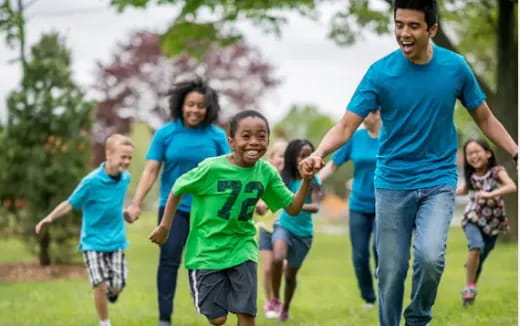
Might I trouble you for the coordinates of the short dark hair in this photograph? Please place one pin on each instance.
(428, 7)
(179, 91)
(468, 169)
(233, 124)
(290, 167)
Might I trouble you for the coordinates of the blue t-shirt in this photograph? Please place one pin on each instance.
(418, 141)
(300, 225)
(180, 149)
(361, 149)
(101, 198)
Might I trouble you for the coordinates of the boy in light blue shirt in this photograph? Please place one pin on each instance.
(101, 195)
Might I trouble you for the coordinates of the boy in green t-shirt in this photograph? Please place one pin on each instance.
(221, 250)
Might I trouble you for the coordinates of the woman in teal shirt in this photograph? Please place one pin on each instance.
(362, 151)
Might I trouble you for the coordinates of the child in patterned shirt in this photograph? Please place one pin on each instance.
(484, 217)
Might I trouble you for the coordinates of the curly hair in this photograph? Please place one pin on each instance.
(181, 89)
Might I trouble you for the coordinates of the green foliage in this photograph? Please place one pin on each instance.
(10, 20)
(46, 148)
(202, 24)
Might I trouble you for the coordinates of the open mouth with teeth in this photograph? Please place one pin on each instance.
(252, 153)
(407, 46)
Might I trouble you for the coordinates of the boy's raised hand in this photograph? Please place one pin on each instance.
(159, 235)
(39, 226)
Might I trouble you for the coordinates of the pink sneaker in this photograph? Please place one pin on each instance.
(272, 309)
(284, 315)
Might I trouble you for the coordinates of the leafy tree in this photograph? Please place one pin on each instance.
(44, 148)
(135, 84)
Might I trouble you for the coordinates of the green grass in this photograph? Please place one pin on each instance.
(327, 293)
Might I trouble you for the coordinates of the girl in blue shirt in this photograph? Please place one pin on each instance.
(292, 235)
(177, 147)
(362, 151)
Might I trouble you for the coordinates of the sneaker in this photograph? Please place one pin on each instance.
(468, 295)
(272, 309)
(111, 297)
(368, 305)
(284, 315)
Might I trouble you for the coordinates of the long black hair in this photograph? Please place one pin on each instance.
(428, 7)
(468, 169)
(290, 168)
(181, 89)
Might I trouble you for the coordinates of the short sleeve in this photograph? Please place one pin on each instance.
(276, 194)
(471, 96)
(156, 151)
(343, 153)
(194, 181)
(80, 194)
(364, 99)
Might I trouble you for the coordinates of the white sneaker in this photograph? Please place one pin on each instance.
(368, 306)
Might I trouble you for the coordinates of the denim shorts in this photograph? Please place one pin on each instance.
(265, 241)
(298, 247)
(477, 239)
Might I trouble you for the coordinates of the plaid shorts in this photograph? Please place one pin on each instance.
(106, 266)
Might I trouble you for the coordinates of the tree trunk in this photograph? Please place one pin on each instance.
(506, 109)
(44, 242)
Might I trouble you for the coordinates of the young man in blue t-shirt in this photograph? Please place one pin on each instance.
(101, 196)
(415, 89)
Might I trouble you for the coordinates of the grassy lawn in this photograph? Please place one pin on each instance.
(327, 293)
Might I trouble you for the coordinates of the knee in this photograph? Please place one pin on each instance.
(430, 259)
(278, 257)
(218, 321)
(268, 269)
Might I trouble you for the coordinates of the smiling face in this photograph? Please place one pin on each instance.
(119, 157)
(249, 142)
(477, 156)
(194, 109)
(413, 35)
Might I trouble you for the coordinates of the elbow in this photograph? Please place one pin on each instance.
(292, 211)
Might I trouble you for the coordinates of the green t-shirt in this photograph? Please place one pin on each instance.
(222, 230)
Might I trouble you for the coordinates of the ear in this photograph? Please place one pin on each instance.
(433, 30)
(231, 143)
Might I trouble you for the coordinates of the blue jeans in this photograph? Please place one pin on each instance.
(427, 214)
(169, 261)
(361, 227)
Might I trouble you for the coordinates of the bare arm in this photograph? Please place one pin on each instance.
(493, 129)
(333, 139)
(63, 208)
(461, 190)
(327, 171)
(508, 185)
(148, 177)
(314, 206)
(339, 134)
(160, 234)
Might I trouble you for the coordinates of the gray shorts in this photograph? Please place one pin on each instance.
(298, 247)
(217, 292)
(106, 266)
(265, 241)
